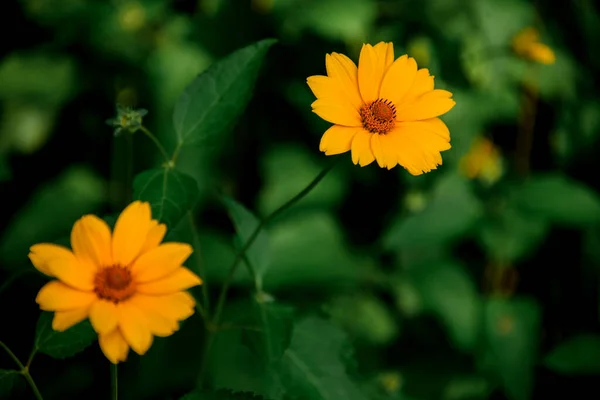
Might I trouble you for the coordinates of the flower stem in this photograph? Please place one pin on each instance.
(242, 253)
(114, 382)
(24, 370)
(159, 146)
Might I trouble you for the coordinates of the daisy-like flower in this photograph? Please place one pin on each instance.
(127, 283)
(384, 110)
(527, 44)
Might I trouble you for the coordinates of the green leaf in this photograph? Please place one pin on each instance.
(245, 223)
(62, 344)
(312, 366)
(220, 395)
(218, 96)
(512, 236)
(512, 332)
(447, 290)
(578, 355)
(451, 212)
(170, 193)
(51, 212)
(276, 330)
(9, 379)
(558, 199)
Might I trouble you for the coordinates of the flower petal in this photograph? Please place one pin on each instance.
(428, 105)
(159, 324)
(131, 230)
(329, 90)
(422, 84)
(336, 113)
(63, 320)
(176, 306)
(155, 235)
(337, 139)
(132, 324)
(398, 79)
(361, 149)
(383, 150)
(179, 280)
(114, 346)
(372, 66)
(103, 316)
(74, 272)
(160, 262)
(344, 73)
(417, 146)
(55, 295)
(40, 254)
(91, 241)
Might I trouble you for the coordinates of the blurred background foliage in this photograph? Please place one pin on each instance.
(475, 281)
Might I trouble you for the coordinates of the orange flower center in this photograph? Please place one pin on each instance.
(114, 284)
(378, 116)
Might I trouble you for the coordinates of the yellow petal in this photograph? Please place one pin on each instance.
(159, 324)
(114, 346)
(160, 262)
(91, 241)
(63, 320)
(434, 125)
(417, 146)
(428, 105)
(181, 279)
(398, 79)
(132, 324)
(131, 230)
(74, 272)
(329, 90)
(40, 254)
(344, 73)
(103, 316)
(337, 139)
(155, 236)
(361, 149)
(383, 151)
(372, 66)
(176, 306)
(422, 84)
(55, 295)
(336, 113)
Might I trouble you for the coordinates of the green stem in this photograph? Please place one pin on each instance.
(24, 370)
(114, 382)
(200, 268)
(176, 152)
(159, 146)
(242, 253)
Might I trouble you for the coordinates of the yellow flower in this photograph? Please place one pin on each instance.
(384, 110)
(483, 161)
(127, 283)
(527, 45)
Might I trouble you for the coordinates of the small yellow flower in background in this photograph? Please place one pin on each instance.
(127, 283)
(483, 161)
(384, 110)
(527, 44)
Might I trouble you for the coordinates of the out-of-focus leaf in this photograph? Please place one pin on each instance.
(366, 317)
(245, 223)
(558, 199)
(170, 193)
(214, 100)
(308, 248)
(451, 212)
(449, 292)
(577, 355)
(25, 127)
(312, 365)
(62, 344)
(512, 236)
(9, 379)
(221, 395)
(512, 331)
(50, 213)
(287, 170)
